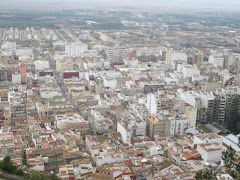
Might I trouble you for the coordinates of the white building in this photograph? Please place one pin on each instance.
(16, 78)
(75, 49)
(24, 51)
(109, 158)
(190, 97)
(11, 46)
(211, 151)
(116, 54)
(125, 132)
(110, 83)
(178, 58)
(189, 71)
(131, 63)
(151, 104)
(41, 65)
(48, 93)
(178, 126)
(208, 139)
(216, 60)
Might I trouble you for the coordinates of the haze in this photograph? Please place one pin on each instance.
(134, 5)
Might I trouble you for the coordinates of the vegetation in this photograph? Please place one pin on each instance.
(8, 167)
(28, 43)
(209, 175)
(218, 126)
(205, 129)
(85, 40)
(229, 156)
(239, 142)
(233, 113)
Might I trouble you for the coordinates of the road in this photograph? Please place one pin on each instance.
(59, 83)
(56, 75)
(70, 35)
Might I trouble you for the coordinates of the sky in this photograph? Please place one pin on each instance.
(137, 5)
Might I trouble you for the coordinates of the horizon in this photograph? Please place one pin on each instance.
(159, 6)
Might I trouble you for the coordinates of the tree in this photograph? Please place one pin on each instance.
(199, 175)
(239, 142)
(233, 115)
(238, 127)
(209, 175)
(8, 166)
(229, 156)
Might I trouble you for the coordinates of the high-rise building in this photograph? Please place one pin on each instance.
(168, 57)
(116, 54)
(5, 75)
(197, 59)
(226, 62)
(23, 71)
(151, 104)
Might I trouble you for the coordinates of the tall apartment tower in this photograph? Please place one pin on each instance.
(116, 54)
(23, 72)
(168, 56)
(226, 62)
(197, 59)
(151, 104)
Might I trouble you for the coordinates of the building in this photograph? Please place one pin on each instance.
(210, 152)
(16, 78)
(156, 126)
(115, 55)
(151, 104)
(167, 56)
(5, 75)
(23, 72)
(216, 60)
(64, 64)
(75, 49)
(72, 121)
(207, 139)
(11, 46)
(197, 59)
(152, 88)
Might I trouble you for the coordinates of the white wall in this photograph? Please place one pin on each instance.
(50, 94)
(75, 49)
(111, 83)
(41, 65)
(212, 155)
(189, 71)
(151, 104)
(126, 134)
(16, 78)
(216, 61)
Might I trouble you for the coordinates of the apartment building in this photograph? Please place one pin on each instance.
(115, 55)
(75, 49)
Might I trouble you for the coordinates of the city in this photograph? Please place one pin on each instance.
(119, 95)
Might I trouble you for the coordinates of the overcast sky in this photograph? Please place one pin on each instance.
(143, 5)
